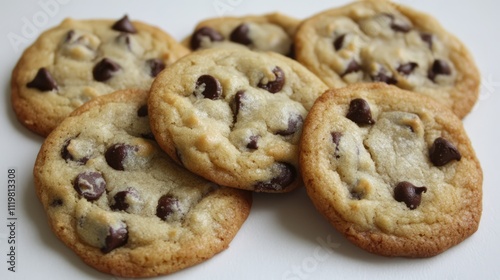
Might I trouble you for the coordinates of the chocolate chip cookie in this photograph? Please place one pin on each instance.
(380, 41)
(235, 116)
(393, 171)
(120, 203)
(80, 59)
(269, 32)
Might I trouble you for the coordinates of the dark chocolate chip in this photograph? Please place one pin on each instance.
(90, 184)
(360, 112)
(237, 102)
(57, 203)
(240, 35)
(124, 39)
(439, 67)
(339, 42)
(356, 195)
(352, 67)
(409, 194)
(253, 144)
(209, 86)
(277, 84)
(442, 152)
(398, 26)
(295, 122)
(124, 25)
(205, 32)
(117, 153)
(105, 69)
(407, 68)
(120, 199)
(286, 176)
(116, 238)
(43, 81)
(336, 136)
(427, 38)
(167, 205)
(383, 77)
(142, 111)
(155, 65)
(67, 156)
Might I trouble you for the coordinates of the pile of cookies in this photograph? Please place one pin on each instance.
(153, 147)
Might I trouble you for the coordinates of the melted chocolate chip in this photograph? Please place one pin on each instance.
(116, 238)
(240, 35)
(409, 194)
(276, 85)
(295, 122)
(439, 67)
(407, 68)
(339, 42)
(253, 144)
(67, 156)
(142, 111)
(427, 38)
(352, 67)
(90, 184)
(155, 65)
(116, 155)
(383, 77)
(43, 81)
(124, 25)
(359, 112)
(336, 136)
(442, 152)
(209, 87)
(286, 176)
(167, 205)
(237, 102)
(202, 33)
(105, 69)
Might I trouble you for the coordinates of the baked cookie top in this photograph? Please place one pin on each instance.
(117, 200)
(80, 59)
(393, 171)
(380, 41)
(268, 32)
(234, 116)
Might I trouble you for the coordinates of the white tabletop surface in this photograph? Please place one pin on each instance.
(284, 237)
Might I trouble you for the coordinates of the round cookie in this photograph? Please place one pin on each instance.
(269, 32)
(380, 41)
(235, 116)
(120, 203)
(80, 59)
(393, 171)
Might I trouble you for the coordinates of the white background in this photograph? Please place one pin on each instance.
(284, 237)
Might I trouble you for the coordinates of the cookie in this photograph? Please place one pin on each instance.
(380, 41)
(78, 60)
(235, 116)
(120, 203)
(269, 32)
(391, 170)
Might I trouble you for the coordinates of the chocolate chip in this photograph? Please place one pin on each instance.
(339, 42)
(90, 185)
(105, 69)
(120, 199)
(359, 112)
(427, 38)
(407, 68)
(336, 140)
(383, 77)
(253, 144)
(409, 194)
(69, 36)
(57, 203)
(205, 32)
(124, 39)
(286, 176)
(397, 24)
(167, 205)
(209, 87)
(142, 111)
(352, 67)
(67, 156)
(124, 25)
(116, 238)
(295, 122)
(442, 152)
(116, 155)
(237, 102)
(439, 67)
(155, 65)
(240, 35)
(43, 81)
(277, 84)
